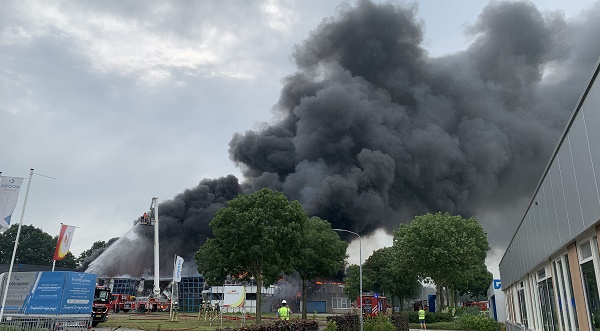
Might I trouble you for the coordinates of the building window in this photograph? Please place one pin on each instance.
(586, 251)
(522, 308)
(341, 303)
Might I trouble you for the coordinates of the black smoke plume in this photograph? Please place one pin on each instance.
(372, 130)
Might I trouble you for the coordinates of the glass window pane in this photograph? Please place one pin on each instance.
(591, 291)
(586, 250)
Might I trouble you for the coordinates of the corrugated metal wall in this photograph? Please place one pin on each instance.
(567, 201)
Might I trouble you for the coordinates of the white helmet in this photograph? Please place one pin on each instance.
(283, 301)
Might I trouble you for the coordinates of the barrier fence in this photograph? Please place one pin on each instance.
(45, 322)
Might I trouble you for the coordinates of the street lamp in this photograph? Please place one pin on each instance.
(360, 272)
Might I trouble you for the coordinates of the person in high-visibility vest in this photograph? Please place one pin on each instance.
(422, 319)
(284, 312)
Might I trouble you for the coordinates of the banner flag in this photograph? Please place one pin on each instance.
(64, 241)
(177, 268)
(9, 194)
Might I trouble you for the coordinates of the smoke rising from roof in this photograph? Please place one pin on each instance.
(372, 131)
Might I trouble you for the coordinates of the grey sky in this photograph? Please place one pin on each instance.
(125, 100)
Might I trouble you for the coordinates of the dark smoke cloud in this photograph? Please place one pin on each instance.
(183, 227)
(96, 253)
(373, 131)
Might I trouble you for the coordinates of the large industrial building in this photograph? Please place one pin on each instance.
(551, 268)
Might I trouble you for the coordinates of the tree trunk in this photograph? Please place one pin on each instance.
(304, 294)
(447, 292)
(439, 295)
(455, 293)
(258, 297)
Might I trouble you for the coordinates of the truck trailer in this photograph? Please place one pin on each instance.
(48, 297)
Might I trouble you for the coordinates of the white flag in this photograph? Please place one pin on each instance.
(177, 268)
(9, 194)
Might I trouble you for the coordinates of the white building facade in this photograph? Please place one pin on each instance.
(551, 269)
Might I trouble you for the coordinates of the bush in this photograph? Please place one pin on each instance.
(439, 326)
(413, 317)
(331, 326)
(292, 325)
(467, 311)
(379, 323)
(396, 322)
(345, 322)
(479, 322)
(400, 321)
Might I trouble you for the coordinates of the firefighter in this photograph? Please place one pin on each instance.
(175, 311)
(284, 312)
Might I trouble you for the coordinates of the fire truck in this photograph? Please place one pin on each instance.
(372, 304)
(482, 305)
(101, 305)
(123, 302)
(126, 303)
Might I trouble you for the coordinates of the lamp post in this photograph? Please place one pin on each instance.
(360, 272)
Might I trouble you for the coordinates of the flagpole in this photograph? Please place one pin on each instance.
(57, 243)
(12, 261)
(173, 285)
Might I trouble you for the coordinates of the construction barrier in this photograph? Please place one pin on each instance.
(46, 322)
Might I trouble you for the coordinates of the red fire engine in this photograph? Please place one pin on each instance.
(126, 303)
(372, 304)
(123, 302)
(482, 305)
(101, 305)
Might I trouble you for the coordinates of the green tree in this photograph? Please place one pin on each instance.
(352, 281)
(35, 246)
(476, 282)
(379, 266)
(88, 252)
(256, 236)
(443, 247)
(322, 253)
(406, 282)
(390, 276)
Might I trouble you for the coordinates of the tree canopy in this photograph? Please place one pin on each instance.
(390, 275)
(256, 236)
(476, 282)
(322, 253)
(36, 247)
(442, 246)
(385, 274)
(100, 244)
(352, 281)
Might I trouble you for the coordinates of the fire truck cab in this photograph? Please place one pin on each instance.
(101, 305)
(372, 304)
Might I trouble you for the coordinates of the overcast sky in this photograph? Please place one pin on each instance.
(121, 101)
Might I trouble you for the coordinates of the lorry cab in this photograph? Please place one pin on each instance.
(101, 305)
(372, 304)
